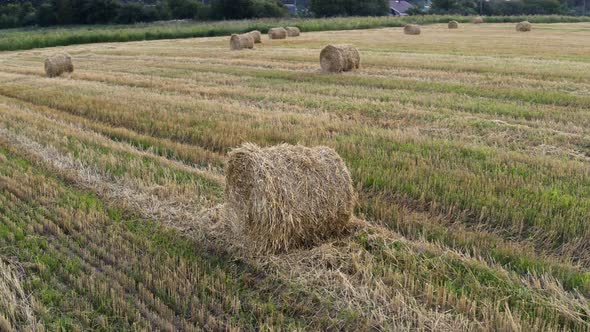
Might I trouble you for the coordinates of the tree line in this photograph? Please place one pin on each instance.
(508, 7)
(17, 13)
(67, 12)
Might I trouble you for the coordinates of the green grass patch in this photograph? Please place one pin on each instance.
(29, 38)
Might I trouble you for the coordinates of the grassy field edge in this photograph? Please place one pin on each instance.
(30, 38)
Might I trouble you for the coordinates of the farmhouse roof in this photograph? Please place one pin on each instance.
(399, 7)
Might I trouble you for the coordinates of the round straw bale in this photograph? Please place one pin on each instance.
(287, 196)
(412, 29)
(277, 33)
(523, 26)
(453, 25)
(58, 64)
(477, 20)
(339, 58)
(257, 36)
(238, 42)
(293, 31)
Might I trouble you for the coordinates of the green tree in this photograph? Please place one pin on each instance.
(267, 8)
(325, 8)
(130, 13)
(64, 12)
(463, 7)
(183, 9)
(231, 9)
(27, 14)
(524, 7)
(367, 7)
(8, 19)
(542, 7)
(46, 14)
(100, 11)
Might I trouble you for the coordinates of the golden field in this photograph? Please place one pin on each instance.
(469, 150)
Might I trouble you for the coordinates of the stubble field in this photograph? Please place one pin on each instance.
(469, 148)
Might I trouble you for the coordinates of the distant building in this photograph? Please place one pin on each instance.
(293, 6)
(399, 7)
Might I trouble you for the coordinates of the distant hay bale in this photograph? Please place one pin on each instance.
(523, 26)
(412, 29)
(287, 196)
(339, 58)
(453, 25)
(477, 20)
(58, 64)
(257, 36)
(238, 42)
(293, 31)
(277, 33)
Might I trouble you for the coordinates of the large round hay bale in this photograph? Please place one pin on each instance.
(339, 58)
(287, 196)
(58, 64)
(523, 26)
(257, 36)
(412, 29)
(293, 31)
(453, 25)
(238, 42)
(477, 20)
(277, 33)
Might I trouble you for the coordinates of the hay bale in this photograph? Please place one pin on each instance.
(523, 26)
(58, 64)
(238, 42)
(339, 58)
(277, 33)
(412, 29)
(453, 25)
(477, 20)
(257, 36)
(287, 196)
(293, 31)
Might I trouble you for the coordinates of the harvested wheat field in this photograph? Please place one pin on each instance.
(469, 151)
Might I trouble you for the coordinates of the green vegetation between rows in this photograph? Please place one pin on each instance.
(512, 257)
(91, 265)
(94, 266)
(29, 38)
